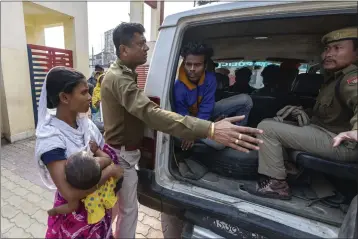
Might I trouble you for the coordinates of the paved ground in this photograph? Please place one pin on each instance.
(24, 200)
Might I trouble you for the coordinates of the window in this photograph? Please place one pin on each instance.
(256, 67)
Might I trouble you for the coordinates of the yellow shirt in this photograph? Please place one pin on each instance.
(102, 199)
(97, 92)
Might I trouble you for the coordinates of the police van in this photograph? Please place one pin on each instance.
(217, 205)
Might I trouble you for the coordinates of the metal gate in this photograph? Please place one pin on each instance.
(41, 60)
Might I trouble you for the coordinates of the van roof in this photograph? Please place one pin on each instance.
(173, 19)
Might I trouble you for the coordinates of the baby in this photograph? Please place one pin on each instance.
(83, 171)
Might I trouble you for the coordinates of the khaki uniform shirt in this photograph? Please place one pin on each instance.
(126, 111)
(328, 112)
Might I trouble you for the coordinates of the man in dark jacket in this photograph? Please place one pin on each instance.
(98, 70)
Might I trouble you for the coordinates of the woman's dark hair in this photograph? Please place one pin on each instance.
(82, 171)
(61, 79)
(124, 32)
(197, 49)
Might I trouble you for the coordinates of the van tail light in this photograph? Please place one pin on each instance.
(148, 148)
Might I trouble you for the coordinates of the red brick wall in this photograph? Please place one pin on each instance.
(142, 75)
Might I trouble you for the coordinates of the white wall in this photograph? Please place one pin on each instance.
(78, 11)
(17, 122)
(15, 73)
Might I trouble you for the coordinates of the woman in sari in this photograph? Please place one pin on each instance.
(58, 137)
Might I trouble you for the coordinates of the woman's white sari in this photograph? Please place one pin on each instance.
(52, 133)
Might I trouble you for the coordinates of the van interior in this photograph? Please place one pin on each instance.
(323, 189)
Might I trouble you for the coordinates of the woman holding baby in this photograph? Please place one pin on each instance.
(73, 159)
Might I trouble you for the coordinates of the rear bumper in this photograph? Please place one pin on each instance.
(224, 220)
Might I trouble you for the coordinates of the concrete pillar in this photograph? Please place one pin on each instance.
(76, 39)
(30, 34)
(39, 35)
(70, 40)
(4, 120)
(35, 30)
(16, 99)
(35, 34)
(155, 22)
(136, 12)
(30, 29)
(69, 34)
(80, 36)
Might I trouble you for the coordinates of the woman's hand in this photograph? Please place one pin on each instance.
(236, 137)
(116, 171)
(93, 146)
(57, 172)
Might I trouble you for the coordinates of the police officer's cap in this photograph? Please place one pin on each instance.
(349, 33)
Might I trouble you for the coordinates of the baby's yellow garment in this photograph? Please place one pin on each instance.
(97, 202)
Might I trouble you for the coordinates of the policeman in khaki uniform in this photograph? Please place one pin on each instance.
(126, 111)
(332, 133)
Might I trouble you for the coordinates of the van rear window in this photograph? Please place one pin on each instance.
(256, 67)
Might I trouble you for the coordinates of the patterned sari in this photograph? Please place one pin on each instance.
(75, 225)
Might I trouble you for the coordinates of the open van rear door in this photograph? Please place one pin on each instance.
(349, 228)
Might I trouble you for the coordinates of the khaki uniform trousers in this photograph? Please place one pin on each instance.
(312, 139)
(126, 209)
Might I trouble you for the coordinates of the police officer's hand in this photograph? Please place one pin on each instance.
(236, 137)
(349, 135)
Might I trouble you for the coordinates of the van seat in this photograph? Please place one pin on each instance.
(265, 107)
(307, 84)
(227, 162)
(345, 170)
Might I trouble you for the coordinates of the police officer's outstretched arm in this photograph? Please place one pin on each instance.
(350, 97)
(138, 104)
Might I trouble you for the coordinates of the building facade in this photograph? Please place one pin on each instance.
(22, 26)
(108, 42)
